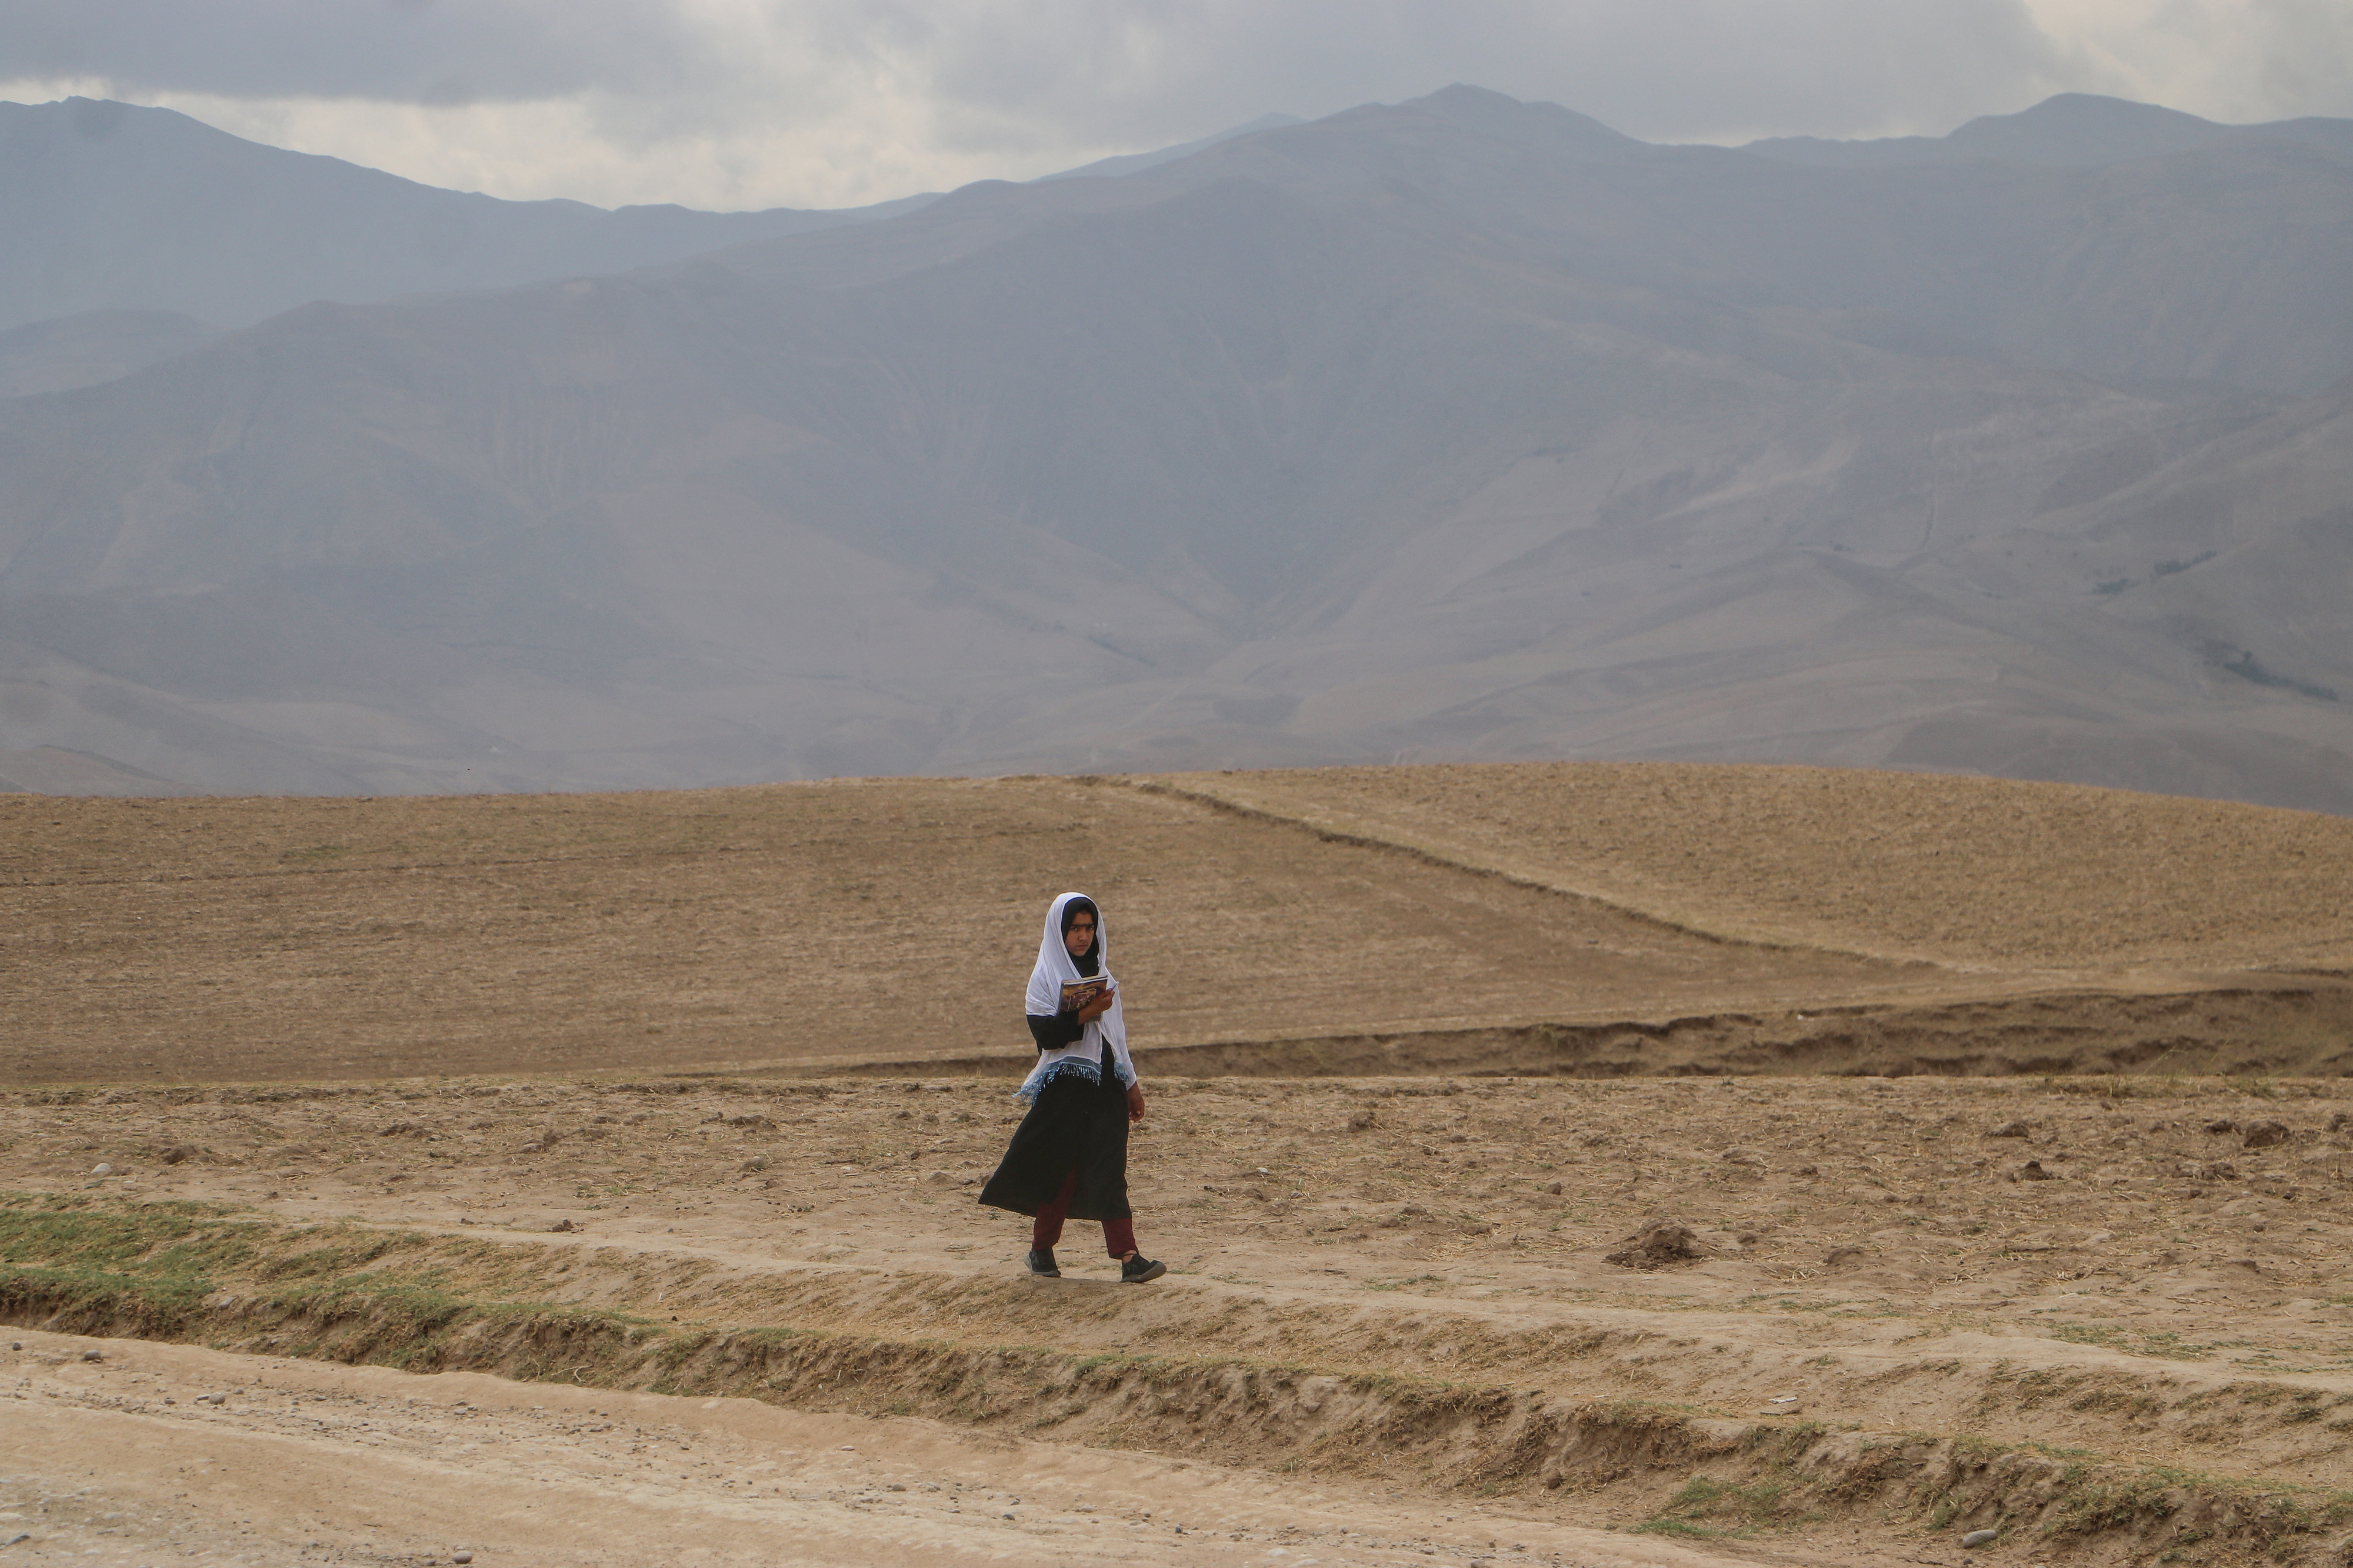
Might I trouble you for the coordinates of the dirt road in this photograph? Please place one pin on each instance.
(1905, 1309)
(124, 1461)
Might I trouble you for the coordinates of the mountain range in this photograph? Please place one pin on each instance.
(113, 205)
(1459, 429)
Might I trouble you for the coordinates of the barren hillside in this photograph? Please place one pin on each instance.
(1462, 429)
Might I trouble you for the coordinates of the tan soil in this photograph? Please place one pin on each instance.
(114, 1463)
(237, 939)
(656, 975)
(2171, 1297)
(1956, 871)
(831, 924)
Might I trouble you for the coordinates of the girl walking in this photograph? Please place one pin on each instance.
(1069, 1157)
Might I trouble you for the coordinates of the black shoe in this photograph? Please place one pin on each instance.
(1135, 1270)
(1041, 1263)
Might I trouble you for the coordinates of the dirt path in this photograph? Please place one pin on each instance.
(1869, 1257)
(121, 1461)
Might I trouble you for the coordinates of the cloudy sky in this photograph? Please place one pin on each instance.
(741, 103)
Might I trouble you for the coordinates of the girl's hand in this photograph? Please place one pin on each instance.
(1098, 1007)
(1135, 1102)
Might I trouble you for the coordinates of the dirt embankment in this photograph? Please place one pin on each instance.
(1691, 1474)
(298, 1461)
(2099, 1314)
(2284, 1027)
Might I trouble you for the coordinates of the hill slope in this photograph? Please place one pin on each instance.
(2073, 130)
(114, 206)
(1464, 428)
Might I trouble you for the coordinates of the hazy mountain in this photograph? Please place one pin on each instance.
(127, 226)
(112, 206)
(2075, 130)
(1136, 163)
(97, 345)
(1462, 427)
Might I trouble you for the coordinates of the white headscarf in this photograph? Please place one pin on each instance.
(1055, 969)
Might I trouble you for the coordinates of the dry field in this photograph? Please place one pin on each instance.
(1466, 918)
(589, 1178)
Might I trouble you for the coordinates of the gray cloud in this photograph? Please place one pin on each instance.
(771, 100)
(1683, 68)
(416, 51)
(1081, 67)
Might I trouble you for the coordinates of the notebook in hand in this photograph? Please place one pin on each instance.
(1077, 993)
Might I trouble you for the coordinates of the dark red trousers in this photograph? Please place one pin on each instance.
(1119, 1234)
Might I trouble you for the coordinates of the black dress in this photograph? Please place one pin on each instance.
(1072, 1125)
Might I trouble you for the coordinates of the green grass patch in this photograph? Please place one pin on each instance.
(1705, 1507)
(73, 1233)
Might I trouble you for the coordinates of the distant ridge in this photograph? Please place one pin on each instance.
(1547, 127)
(111, 206)
(115, 211)
(1460, 428)
(2073, 130)
(1136, 163)
(95, 346)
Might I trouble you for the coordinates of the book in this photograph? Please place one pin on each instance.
(1077, 993)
